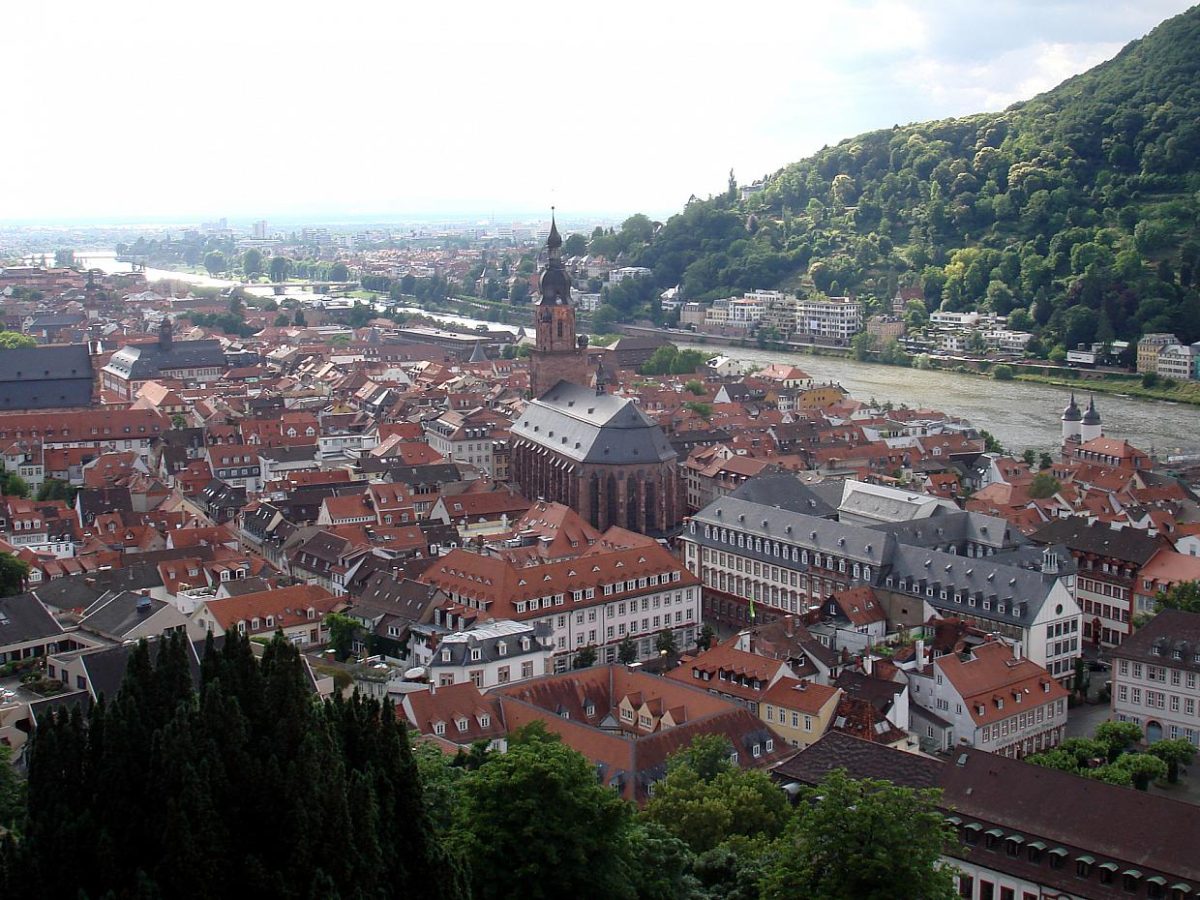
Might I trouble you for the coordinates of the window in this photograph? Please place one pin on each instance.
(439, 728)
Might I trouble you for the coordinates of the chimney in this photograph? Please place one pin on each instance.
(868, 664)
(164, 334)
(920, 653)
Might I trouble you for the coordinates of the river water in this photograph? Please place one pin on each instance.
(1018, 413)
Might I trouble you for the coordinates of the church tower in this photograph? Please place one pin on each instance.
(558, 354)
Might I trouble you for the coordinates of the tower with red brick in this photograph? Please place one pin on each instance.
(558, 354)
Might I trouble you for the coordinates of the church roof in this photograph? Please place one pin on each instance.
(582, 425)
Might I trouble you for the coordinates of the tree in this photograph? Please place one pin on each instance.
(342, 630)
(178, 421)
(862, 344)
(1045, 461)
(585, 658)
(1174, 752)
(13, 573)
(1003, 372)
(13, 485)
(1142, 768)
(519, 291)
(11, 340)
(54, 489)
(694, 386)
(574, 245)
(1044, 485)
(705, 638)
(990, 444)
(1117, 737)
(1184, 596)
(605, 317)
(535, 822)
(252, 262)
(299, 320)
(1029, 456)
(283, 320)
(627, 651)
(665, 642)
(64, 259)
(279, 268)
(860, 839)
(215, 262)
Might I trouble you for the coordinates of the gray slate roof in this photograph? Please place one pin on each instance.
(774, 486)
(1130, 545)
(792, 529)
(141, 361)
(23, 618)
(118, 615)
(578, 423)
(1171, 631)
(1022, 591)
(46, 377)
(956, 527)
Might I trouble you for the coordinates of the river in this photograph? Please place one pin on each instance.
(1019, 414)
(106, 261)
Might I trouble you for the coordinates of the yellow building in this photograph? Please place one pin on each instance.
(820, 395)
(799, 711)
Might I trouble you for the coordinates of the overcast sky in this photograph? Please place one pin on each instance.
(126, 109)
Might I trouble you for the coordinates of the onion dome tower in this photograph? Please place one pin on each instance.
(1090, 427)
(1070, 420)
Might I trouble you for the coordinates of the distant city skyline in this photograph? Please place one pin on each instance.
(377, 113)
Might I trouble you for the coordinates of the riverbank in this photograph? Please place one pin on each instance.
(1126, 386)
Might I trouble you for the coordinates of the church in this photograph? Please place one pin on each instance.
(579, 445)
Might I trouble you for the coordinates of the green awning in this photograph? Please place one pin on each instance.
(995, 832)
(954, 820)
(1111, 866)
(1090, 860)
(1018, 838)
(973, 826)
(1058, 851)
(1036, 845)
(1156, 879)
(1132, 873)
(1182, 886)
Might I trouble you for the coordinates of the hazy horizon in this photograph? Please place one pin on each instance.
(426, 114)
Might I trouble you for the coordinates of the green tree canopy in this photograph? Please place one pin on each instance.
(1044, 485)
(12, 340)
(215, 262)
(279, 268)
(1184, 596)
(252, 261)
(861, 839)
(536, 823)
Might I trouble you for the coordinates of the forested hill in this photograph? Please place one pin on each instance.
(1076, 211)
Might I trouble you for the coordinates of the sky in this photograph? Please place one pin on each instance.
(129, 110)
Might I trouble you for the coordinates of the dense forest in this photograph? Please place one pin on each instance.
(1075, 213)
(251, 786)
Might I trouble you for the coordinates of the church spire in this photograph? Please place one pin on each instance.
(555, 284)
(555, 240)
